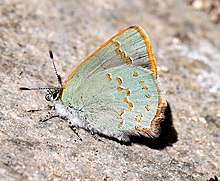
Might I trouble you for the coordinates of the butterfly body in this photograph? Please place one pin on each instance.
(115, 91)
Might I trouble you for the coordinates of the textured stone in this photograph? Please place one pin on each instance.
(184, 41)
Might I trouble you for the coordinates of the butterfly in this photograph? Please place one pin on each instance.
(114, 92)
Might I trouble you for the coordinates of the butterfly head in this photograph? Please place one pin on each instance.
(53, 94)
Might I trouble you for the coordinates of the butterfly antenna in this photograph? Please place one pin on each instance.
(55, 69)
(47, 88)
(38, 88)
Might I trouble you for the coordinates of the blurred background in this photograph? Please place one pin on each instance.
(186, 43)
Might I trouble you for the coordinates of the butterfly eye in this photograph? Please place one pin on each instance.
(48, 97)
(52, 95)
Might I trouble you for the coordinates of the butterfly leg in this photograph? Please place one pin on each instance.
(49, 115)
(75, 130)
(44, 109)
(96, 137)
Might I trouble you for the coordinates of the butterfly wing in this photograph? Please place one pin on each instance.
(129, 47)
(121, 99)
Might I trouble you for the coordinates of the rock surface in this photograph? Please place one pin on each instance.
(187, 47)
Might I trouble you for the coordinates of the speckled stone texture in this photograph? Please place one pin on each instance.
(187, 48)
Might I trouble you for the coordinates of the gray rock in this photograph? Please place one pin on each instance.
(187, 47)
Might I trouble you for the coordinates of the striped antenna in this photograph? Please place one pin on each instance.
(55, 69)
(57, 75)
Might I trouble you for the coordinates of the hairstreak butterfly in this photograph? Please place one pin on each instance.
(114, 92)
